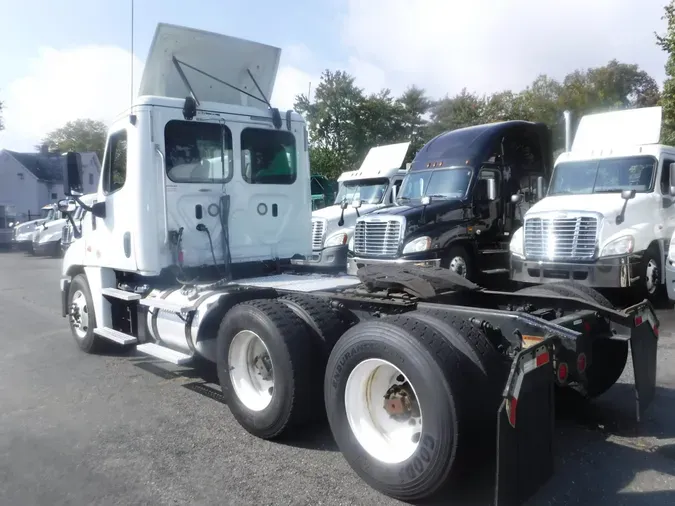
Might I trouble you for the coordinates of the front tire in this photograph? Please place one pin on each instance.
(264, 354)
(651, 285)
(371, 372)
(458, 261)
(82, 317)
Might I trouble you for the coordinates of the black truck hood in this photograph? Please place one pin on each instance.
(418, 215)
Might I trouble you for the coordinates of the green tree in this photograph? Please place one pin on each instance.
(667, 43)
(415, 105)
(463, 110)
(79, 135)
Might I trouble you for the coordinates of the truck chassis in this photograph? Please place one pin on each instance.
(466, 362)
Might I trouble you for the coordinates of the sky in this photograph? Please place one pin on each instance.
(72, 58)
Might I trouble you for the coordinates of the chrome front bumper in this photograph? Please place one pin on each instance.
(355, 263)
(615, 272)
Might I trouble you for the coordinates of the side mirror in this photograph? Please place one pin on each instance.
(356, 203)
(393, 194)
(71, 164)
(344, 204)
(481, 193)
(540, 187)
(491, 189)
(66, 206)
(426, 200)
(517, 198)
(672, 179)
(628, 194)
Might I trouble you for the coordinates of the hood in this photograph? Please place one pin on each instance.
(332, 215)
(26, 226)
(224, 57)
(608, 204)
(56, 224)
(629, 127)
(417, 217)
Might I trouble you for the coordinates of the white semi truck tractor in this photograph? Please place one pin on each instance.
(202, 204)
(608, 214)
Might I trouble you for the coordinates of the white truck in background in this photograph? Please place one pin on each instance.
(609, 212)
(374, 185)
(203, 203)
(23, 233)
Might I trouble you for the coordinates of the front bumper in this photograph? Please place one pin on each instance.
(24, 239)
(615, 272)
(355, 263)
(332, 257)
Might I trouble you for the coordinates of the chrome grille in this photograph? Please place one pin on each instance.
(380, 238)
(318, 229)
(572, 238)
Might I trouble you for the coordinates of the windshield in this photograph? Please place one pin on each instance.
(440, 183)
(198, 152)
(603, 176)
(44, 213)
(369, 191)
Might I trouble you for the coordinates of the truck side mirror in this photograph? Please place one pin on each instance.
(393, 194)
(628, 194)
(356, 203)
(66, 206)
(671, 190)
(540, 187)
(517, 198)
(491, 189)
(71, 164)
(344, 204)
(481, 193)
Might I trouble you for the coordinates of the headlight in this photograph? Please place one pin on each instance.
(417, 245)
(516, 244)
(336, 240)
(621, 246)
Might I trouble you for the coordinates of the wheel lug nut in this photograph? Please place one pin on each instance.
(400, 378)
(416, 437)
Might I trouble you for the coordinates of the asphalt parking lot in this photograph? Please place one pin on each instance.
(126, 429)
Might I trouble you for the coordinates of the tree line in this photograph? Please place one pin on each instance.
(345, 121)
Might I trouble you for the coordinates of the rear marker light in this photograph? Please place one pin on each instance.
(587, 327)
(638, 320)
(581, 362)
(562, 372)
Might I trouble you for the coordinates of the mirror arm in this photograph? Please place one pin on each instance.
(76, 231)
(84, 206)
(620, 216)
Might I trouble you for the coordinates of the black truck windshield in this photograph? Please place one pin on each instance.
(603, 176)
(440, 183)
(369, 191)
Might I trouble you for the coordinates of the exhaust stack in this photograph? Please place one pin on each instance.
(568, 130)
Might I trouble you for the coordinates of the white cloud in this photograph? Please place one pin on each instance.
(488, 45)
(63, 85)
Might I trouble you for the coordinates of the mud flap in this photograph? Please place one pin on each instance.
(643, 344)
(525, 427)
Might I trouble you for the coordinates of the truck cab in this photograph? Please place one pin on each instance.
(23, 233)
(323, 191)
(454, 208)
(374, 185)
(608, 215)
(7, 221)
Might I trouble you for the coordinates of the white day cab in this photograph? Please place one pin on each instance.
(23, 233)
(608, 215)
(203, 202)
(374, 185)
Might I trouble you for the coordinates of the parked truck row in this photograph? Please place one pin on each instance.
(199, 243)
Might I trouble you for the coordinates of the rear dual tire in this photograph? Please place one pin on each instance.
(292, 337)
(448, 380)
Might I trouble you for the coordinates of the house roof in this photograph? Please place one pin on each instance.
(48, 167)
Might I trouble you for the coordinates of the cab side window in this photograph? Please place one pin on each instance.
(115, 169)
(665, 176)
